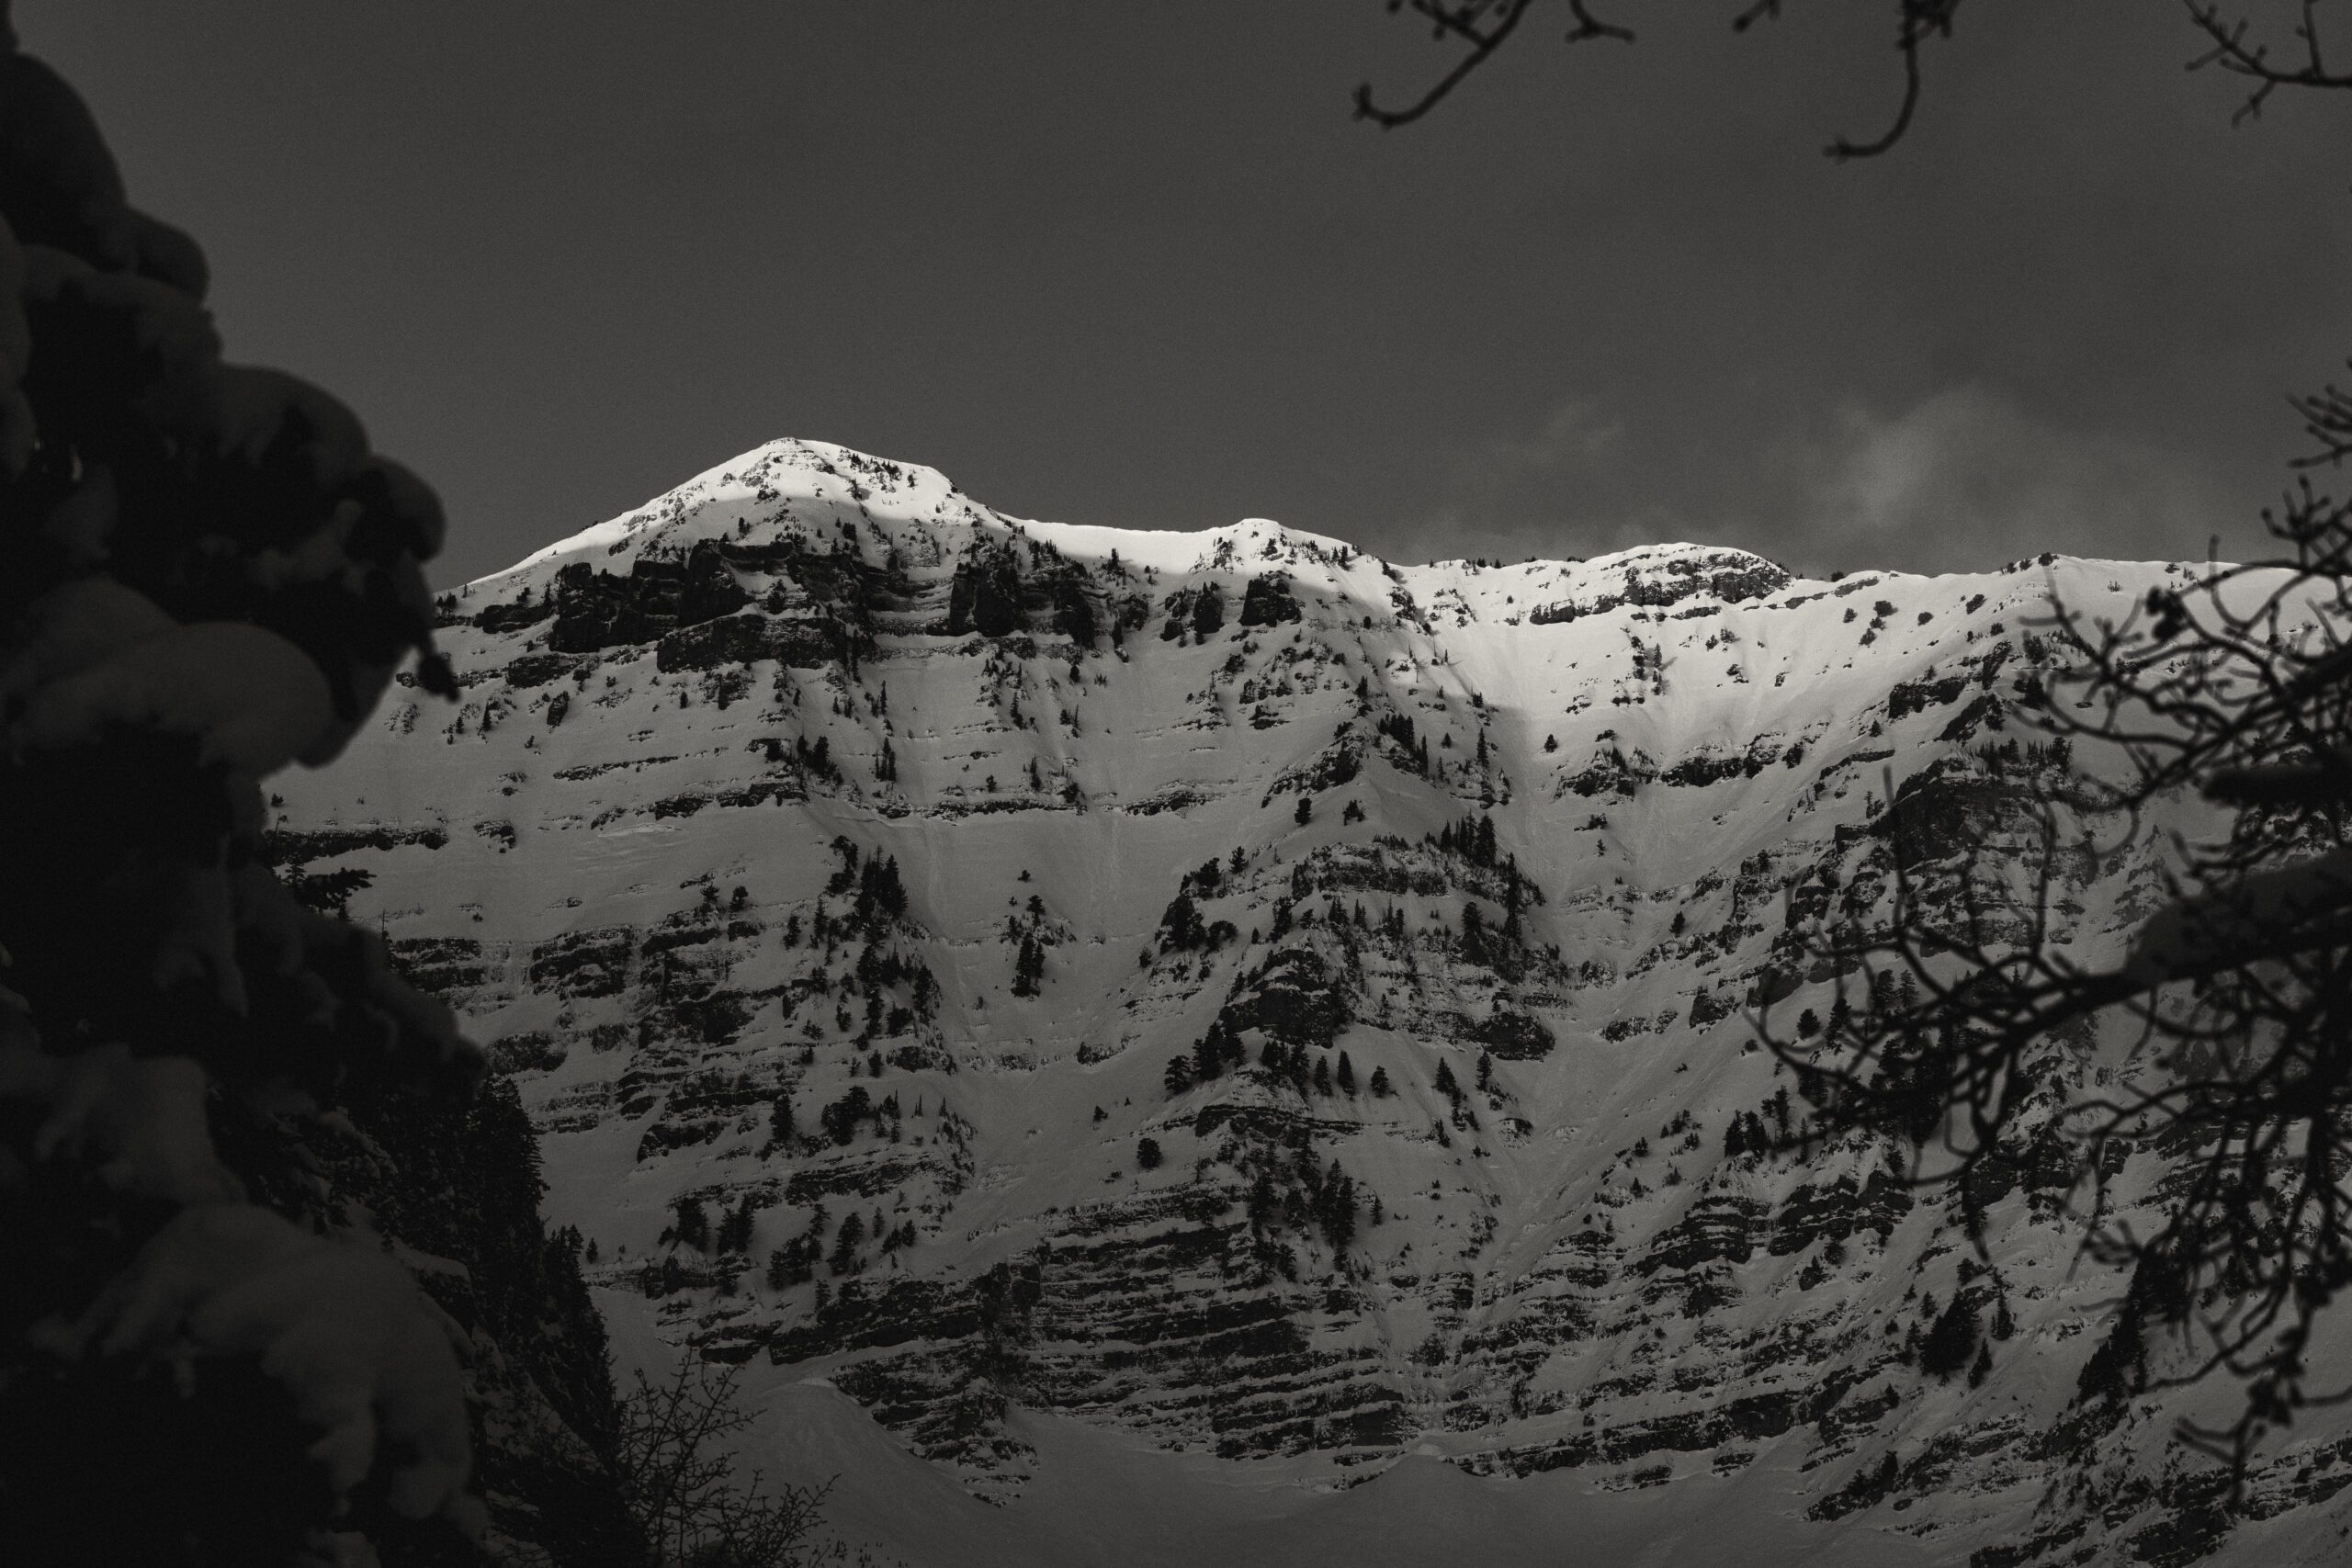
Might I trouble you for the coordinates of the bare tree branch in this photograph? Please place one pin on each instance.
(1468, 21)
(2231, 1005)
(1483, 27)
(1921, 20)
(2234, 48)
(2327, 420)
(681, 1480)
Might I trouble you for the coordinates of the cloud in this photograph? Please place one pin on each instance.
(1579, 433)
(1966, 479)
(1570, 487)
(1962, 479)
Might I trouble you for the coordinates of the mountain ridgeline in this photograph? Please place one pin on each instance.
(1276, 1004)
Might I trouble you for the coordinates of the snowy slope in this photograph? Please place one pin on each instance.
(644, 859)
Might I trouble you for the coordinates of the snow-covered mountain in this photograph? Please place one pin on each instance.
(844, 869)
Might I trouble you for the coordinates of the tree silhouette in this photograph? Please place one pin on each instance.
(219, 1108)
(2233, 1001)
(2226, 41)
(2231, 1005)
(686, 1490)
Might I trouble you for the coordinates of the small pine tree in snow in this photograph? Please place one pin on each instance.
(844, 1259)
(1945, 1350)
(1335, 1208)
(785, 1267)
(1208, 1057)
(1029, 968)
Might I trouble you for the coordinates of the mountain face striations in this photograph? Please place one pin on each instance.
(1236, 993)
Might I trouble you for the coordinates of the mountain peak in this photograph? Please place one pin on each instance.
(781, 481)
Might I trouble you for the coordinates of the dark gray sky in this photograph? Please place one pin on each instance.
(1134, 263)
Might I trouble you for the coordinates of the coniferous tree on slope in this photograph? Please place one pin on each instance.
(233, 1143)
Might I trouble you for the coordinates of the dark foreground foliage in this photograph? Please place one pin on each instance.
(276, 1286)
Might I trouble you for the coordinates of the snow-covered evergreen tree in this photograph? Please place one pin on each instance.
(224, 1121)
